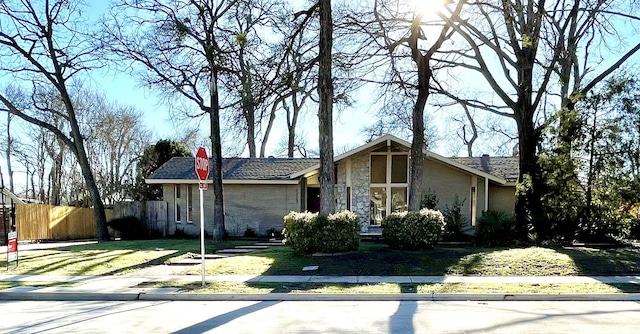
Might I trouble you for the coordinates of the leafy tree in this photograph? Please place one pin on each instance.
(153, 157)
(532, 45)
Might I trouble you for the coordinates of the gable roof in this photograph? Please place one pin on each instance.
(428, 154)
(234, 170)
(505, 167)
(287, 170)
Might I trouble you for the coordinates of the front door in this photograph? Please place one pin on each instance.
(313, 199)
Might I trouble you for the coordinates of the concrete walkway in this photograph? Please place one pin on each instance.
(132, 287)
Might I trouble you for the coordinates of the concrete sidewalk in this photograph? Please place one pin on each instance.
(130, 288)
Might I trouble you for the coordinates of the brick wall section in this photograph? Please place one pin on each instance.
(502, 198)
(447, 182)
(259, 207)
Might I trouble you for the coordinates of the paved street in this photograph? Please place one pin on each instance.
(319, 317)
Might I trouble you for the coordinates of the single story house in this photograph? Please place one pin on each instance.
(372, 180)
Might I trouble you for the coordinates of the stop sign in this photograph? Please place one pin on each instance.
(202, 164)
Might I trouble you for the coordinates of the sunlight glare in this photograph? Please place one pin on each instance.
(427, 7)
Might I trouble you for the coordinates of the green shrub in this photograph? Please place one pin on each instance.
(456, 222)
(250, 233)
(413, 230)
(496, 228)
(308, 233)
(274, 233)
(130, 228)
(429, 200)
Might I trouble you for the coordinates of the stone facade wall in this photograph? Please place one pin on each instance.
(360, 188)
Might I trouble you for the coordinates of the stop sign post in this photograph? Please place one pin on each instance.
(202, 171)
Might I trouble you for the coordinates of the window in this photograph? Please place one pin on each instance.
(177, 203)
(399, 168)
(190, 203)
(378, 169)
(388, 184)
(398, 199)
(349, 198)
(473, 206)
(378, 205)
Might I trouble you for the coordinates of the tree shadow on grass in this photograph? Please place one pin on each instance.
(609, 261)
(376, 260)
(621, 261)
(70, 259)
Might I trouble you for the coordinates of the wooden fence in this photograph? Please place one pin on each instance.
(153, 214)
(47, 222)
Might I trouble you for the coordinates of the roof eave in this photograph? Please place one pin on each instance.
(234, 181)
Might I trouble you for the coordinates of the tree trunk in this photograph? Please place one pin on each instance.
(267, 131)
(87, 173)
(248, 104)
(417, 144)
(528, 207)
(9, 142)
(325, 110)
(216, 155)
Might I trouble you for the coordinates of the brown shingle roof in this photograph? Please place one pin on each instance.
(235, 168)
(504, 167)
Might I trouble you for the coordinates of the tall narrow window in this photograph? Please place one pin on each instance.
(388, 176)
(378, 169)
(189, 203)
(349, 198)
(473, 206)
(399, 168)
(177, 203)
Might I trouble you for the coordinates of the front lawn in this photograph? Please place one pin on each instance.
(106, 258)
(378, 260)
(373, 259)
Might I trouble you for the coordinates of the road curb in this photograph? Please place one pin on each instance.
(66, 296)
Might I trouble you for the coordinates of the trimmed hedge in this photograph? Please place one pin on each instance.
(308, 233)
(413, 230)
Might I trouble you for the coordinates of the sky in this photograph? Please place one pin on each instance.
(120, 86)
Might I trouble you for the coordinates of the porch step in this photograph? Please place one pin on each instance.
(195, 261)
(251, 247)
(235, 251)
(269, 244)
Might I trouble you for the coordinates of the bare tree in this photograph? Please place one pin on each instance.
(390, 18)
(253, 64)
(178, 48)
(41, 43)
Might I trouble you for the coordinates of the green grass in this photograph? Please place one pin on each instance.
(107, 258)
(385, 288)
(125, 257)
(378, 260)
